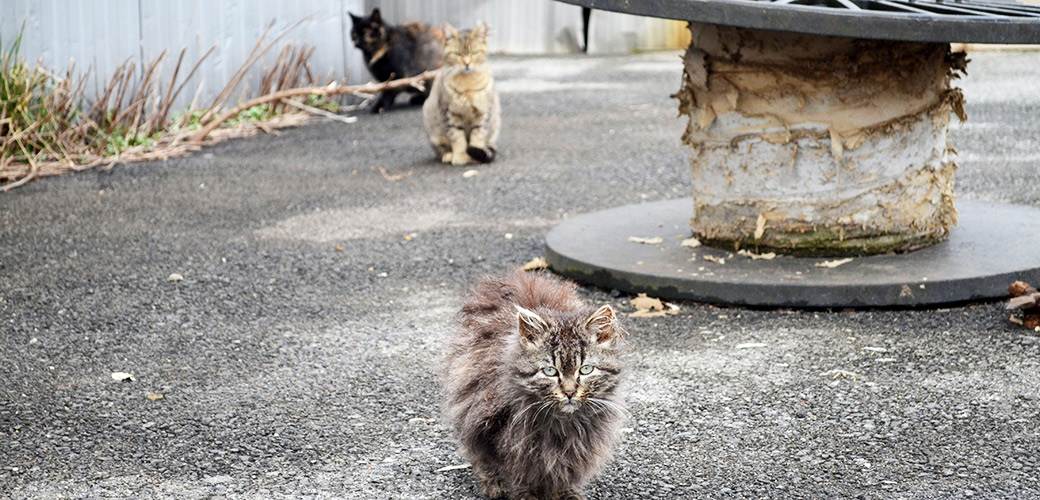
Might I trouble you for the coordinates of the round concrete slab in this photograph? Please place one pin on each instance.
(993, 245)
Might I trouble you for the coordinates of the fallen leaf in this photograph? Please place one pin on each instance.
(535, 264)
(750, 345)
(123, 377)
(393, 177)
(656, 240)
(672, 309)
(760, 226)
(758, 256)
(154, 396)
(410, 236)
(1019, 288)
(174, 278)
(717, 260)
(831, 264)
(340, 247)
(690, 243)
(453, 467)
(642, 301)
(649, 307)
(1024, 301)
(470, 173)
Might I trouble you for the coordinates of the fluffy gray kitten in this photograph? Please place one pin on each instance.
(532, 387)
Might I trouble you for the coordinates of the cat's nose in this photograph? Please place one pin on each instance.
(569, 394)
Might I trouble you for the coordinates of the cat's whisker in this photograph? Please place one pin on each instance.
(613, 406)
(597, 406)
(547, 405)
(521, 412)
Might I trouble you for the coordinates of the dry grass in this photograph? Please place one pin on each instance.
(47, 126)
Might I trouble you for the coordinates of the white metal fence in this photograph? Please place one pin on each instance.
(102, 34)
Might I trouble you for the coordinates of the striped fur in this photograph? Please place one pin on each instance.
(519, 355)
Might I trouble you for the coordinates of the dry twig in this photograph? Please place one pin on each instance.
(369, 88)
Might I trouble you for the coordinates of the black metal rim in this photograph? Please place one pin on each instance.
(983, 21)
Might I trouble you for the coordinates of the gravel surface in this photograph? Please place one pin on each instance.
(298, 355)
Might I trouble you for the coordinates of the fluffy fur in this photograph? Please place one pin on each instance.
(532, 421)
(396, 52)
(462, 115)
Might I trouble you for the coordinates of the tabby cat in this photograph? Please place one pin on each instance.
(396, 52)
(531, 387)
(462, 115)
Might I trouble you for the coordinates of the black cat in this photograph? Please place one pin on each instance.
(393, 52)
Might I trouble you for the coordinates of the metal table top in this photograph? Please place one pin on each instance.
(976, 21)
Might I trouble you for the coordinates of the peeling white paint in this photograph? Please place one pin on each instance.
(801, 140)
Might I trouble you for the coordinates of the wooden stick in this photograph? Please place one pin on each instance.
(320, 112)
(368, 88)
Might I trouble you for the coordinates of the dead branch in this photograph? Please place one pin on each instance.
(320, 112)
(369, 88)
(169, 147)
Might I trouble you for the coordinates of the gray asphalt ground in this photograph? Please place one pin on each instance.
(291, 369)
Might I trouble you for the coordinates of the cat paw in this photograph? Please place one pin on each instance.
(460, 159)
(446, 158)
(482, 155)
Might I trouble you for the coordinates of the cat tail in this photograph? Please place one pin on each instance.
(482, 155)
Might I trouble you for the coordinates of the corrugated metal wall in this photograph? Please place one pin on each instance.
(101, 34)
(542, 26)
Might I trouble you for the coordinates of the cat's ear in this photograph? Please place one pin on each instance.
(481, 30)
(376, 17)
(530, 325)
(354, 18)
(603, 325)
(450, 31)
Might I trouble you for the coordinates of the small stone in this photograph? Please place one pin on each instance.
(175, 278)
(123, 377)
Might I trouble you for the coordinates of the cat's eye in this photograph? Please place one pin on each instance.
(549, 371)
(586, 369)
